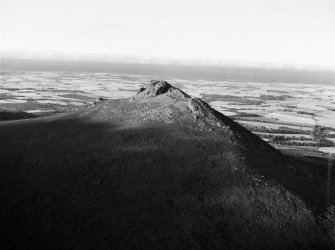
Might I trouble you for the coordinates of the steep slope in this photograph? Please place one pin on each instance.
(159, 170)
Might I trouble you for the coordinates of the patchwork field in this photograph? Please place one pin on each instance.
(281, 113)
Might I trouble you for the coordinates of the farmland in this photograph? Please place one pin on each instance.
(284, 114)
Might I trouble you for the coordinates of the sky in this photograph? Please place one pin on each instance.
(290, 32)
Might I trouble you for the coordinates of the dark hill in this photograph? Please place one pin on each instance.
(160, 170)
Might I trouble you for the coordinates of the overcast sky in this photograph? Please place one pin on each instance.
(293, 32)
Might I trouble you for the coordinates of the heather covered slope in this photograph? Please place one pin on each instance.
(159, 170)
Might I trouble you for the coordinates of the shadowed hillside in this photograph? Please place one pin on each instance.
(160, 170)
(5, 115)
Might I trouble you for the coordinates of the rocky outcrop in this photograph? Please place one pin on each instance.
(156, 88)
(201, 110)
(99, 100)
(161, 87)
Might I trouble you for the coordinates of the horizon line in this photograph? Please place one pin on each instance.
(52, 55)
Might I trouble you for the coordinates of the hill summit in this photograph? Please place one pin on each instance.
(159, 170)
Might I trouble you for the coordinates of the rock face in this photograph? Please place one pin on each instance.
(99, 100)
(200, 109)
(155, 88)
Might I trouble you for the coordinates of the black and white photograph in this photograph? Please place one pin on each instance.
(167, 124)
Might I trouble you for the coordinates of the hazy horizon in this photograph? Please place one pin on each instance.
(170, 71)
(52, 55)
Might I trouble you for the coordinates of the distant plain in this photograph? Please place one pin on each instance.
(263, 100)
